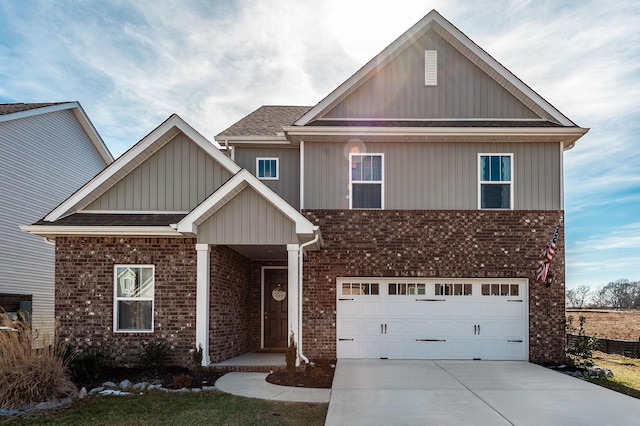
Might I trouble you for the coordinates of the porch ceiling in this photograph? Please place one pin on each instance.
(262, 252)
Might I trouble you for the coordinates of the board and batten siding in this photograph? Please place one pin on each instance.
(398, 90)
(178, 177)
(434, 176)
(248, 218)
(43, 160)
(288, 185)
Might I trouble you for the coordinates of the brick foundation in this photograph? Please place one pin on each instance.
(439, 243)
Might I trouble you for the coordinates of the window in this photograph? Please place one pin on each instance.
(430, 67)
(454, 289)
(407, 289)
(360, 289)
(267, 168)
(496, 181)
(133, 305)
(366, 181)
(500, 289)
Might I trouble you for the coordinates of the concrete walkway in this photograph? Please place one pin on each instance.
(254, 385)
(398, 392)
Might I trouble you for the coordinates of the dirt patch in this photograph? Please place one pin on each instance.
(608, 324)
(319, 376)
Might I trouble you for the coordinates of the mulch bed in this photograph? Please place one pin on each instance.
(169, 377)
(318, 376)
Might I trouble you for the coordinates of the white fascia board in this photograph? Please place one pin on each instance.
(237, 183)
(252, 139)
(132, 154)
(52, 230)
(434, 131)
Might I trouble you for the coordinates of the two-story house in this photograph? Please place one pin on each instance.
(403, 216)
(47, 151)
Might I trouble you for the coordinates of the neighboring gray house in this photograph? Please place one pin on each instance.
(403, 216)
(47, 151)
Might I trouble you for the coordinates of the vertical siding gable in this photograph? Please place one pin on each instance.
(398, 91)
(177, 177)
(248, 218)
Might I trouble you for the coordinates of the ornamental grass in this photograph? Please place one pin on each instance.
(31, 373)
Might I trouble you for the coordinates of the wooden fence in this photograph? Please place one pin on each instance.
(628, 348)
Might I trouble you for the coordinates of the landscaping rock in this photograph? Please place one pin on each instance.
(140, 386)
(96, 390)
(83, 393)
(196, 390)
(182, 390)
(154, 387)
(208, 388)
(125, 385)
(109, 385)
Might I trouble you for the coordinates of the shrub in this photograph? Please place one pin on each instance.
(153, 355)
(292, 354)
(89, 364)
(30, 374)
(580, 351)
(196, 357)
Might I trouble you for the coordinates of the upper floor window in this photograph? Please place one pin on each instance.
(133, 304)
(496, 181)
(267, 168)
(366, 181)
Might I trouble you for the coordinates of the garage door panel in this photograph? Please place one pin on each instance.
(431, 325)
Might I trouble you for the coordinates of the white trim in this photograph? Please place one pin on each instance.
(143, 149)
(511, 182)
(230, 189)
(79, 113)
(378, 119)
(301, 175)
(431, 20)
(561, 177)
(237, 140)
(277, 160)
(131, 212)
(140, 299)
(52, 230)
(262, 301)
(381, 181)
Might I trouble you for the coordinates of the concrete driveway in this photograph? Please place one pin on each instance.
(403, 392)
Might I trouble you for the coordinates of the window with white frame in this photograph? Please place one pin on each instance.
(267, 168)
(495, 181)
(366, 181)
(133, 302)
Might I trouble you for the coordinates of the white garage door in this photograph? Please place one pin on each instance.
(432, 318)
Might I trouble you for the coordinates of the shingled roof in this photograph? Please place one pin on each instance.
(13, 108)
(267, 120)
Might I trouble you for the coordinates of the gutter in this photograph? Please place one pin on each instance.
(315, 239)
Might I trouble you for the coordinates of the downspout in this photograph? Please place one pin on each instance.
(300, 258)
(49, 241)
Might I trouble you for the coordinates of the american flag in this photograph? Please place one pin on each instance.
(545, 263)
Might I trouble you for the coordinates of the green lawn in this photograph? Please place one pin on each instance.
(155, 408)
(626, 373)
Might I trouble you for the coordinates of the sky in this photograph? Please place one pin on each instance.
(131, 64)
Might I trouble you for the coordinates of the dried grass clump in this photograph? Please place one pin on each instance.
(30, 374)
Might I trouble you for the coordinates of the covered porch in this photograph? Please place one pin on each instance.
(250, 248)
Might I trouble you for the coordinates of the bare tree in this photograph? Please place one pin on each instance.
(582, 295)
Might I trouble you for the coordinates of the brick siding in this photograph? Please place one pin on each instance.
(438, 243)
(84, 294)
(230, 304)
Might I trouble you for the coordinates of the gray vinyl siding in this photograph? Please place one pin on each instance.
(428, 176)
(398, 90)
(43, 160)
(248, 218)
(288, 186)
(176, 178)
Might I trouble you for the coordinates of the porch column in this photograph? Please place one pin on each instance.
(202, 302)
(292, 293)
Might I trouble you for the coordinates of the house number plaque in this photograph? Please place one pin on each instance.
(278, 294)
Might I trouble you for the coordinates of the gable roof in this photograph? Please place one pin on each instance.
(17, 111)
(434, 21)
(263, 124)
(233, 187)
(128, 161)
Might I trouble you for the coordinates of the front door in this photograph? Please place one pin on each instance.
(275, 308)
